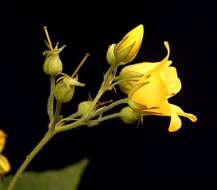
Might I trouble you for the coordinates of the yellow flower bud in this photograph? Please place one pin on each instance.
(52, 63)
(126, 50)
(64, 89)
(84, 107)
(127, 115)
(110, 55)
(4, 165)
(2, 140)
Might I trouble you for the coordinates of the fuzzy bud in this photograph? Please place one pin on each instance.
(52, 64)
(84, 107)
(65, 88)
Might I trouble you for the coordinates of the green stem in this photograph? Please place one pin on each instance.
(94, 122)
(110, 106)
(57, 112)
(51, 99)
(108, 78)
(110, 116)
(29, 158)
(84, 120)
(80, 122)
(69, 118)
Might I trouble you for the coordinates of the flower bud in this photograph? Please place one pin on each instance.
(64, 89)
(4, 165)
(126, 50)
(111, 59)
(84, 107)
(52, 64)
(127, 115)
(2, 140)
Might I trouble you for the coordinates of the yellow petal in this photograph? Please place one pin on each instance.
(170, 77)
(162, 63)
(131, 75)
(152, 93)
(2, 140)
(163, 109)
(175, 122)
(144, 69)
(4, 165)
(180, 112)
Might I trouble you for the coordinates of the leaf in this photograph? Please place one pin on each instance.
(63, 179)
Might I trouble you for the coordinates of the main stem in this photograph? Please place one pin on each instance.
(29, 158)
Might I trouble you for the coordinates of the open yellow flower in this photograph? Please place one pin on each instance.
(126, 50)
(4, 163)
(151, 86)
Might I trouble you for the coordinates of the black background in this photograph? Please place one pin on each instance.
(122, 156)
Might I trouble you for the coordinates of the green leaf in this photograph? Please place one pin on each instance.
(63, 179)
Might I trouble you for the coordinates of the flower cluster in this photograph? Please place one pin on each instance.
(148, 85)
(4, 163)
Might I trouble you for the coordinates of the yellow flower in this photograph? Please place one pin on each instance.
(151, 86)
(4, 164)
(126, 50)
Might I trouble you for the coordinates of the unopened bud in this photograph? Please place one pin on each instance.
(52, 64)
(65, 88)
(84, 107)
(2, 140)
(111, 59)
(129, 116)
(127, 49)
(4, 165)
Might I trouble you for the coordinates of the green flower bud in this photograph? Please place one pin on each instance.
(52, 63)
(65, 88)
(127, 115)
(110, 55)
(84, 107)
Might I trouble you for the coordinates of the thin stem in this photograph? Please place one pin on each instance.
(110, 106)
(73, 125)
(29, 158)
(104, 86)
(69, 118)
(57, 112)
(50, 109)
(84, 120)
(80, 64)
(107, 117)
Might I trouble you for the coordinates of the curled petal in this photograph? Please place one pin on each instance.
(161, 64)
(175, 122)
(180, 112)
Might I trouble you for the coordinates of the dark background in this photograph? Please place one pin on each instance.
(122, 156)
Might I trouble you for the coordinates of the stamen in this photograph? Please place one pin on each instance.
(48, 37)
